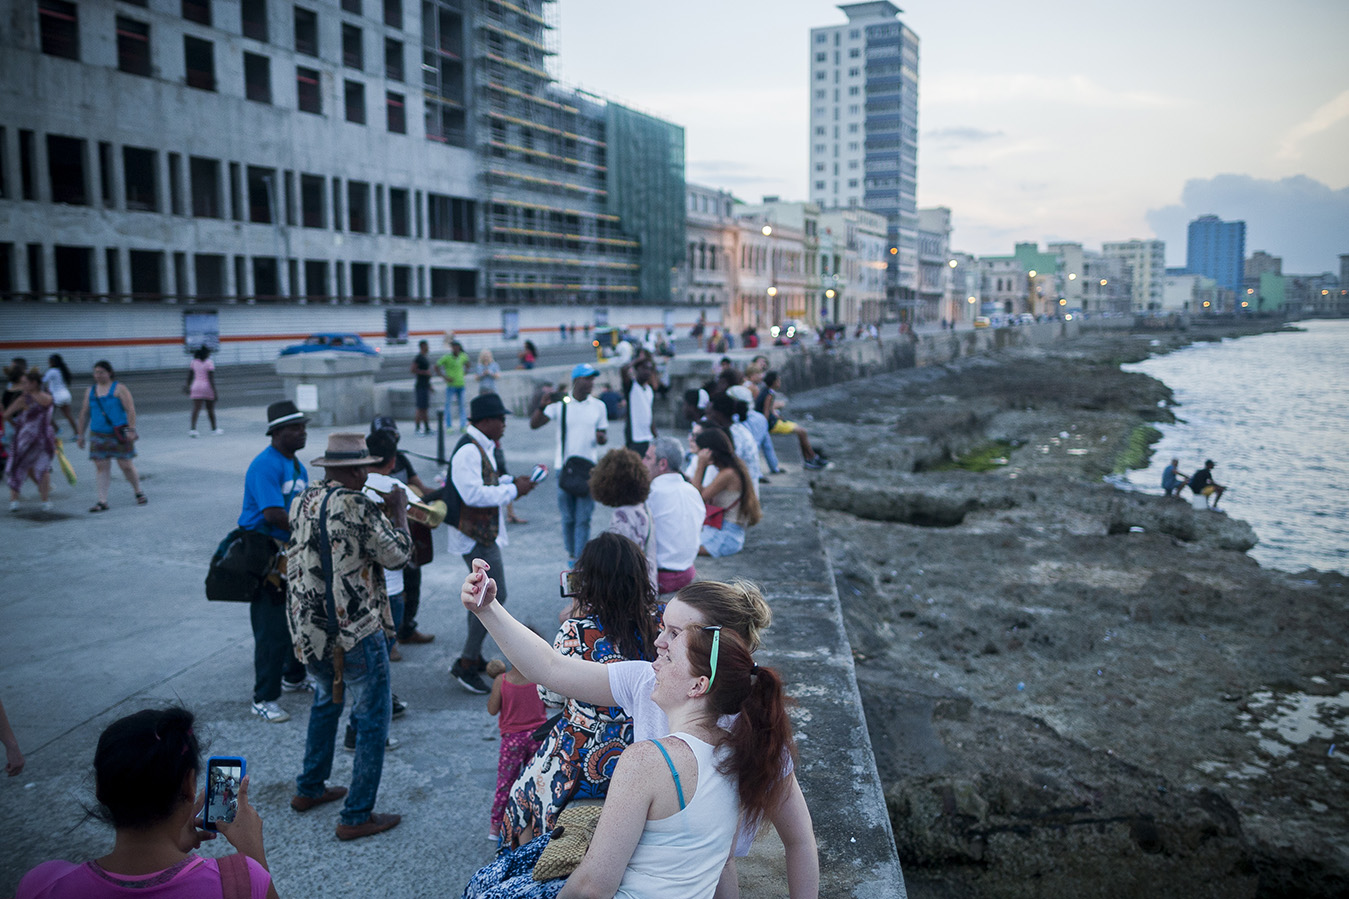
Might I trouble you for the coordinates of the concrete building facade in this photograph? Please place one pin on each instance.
(852, 266)
(713, 242)
(777, 275)
(934, 269)
(1142, 263)
(864, 130)
(333, 152)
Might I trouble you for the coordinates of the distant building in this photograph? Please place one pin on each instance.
(1218, 249)
(1190, 293)
(713, 238)
(934, 269)
(864, 130)
(852, 251)
(777, 274)
(963, 288)
(1090, 281)
(1142, 263)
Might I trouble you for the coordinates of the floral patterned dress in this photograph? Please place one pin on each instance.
(34, 445)
(578, 756)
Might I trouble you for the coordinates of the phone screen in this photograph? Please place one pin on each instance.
(223, 775)
(570, 583)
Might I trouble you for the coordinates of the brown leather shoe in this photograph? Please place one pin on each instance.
(305, 803)
(394, 654)
(417, 637)
(376, 823)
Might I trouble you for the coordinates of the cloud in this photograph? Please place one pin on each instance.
(962, 135)
(1298, 218)
(1322, 119)
(1076, 90)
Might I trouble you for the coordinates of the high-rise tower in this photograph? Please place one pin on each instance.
(864, 129)
(1217, 249)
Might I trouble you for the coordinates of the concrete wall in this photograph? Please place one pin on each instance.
(135, 337)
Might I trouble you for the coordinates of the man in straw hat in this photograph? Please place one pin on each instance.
(275, 477)
(340, 621)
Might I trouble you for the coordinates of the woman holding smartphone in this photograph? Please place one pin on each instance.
(145, 773)
(737, 606)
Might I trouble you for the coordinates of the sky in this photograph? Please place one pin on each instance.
(1041, 120)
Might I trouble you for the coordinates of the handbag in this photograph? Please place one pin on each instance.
(238, 566)
(716, 515)
(570, 839)
(574, 479)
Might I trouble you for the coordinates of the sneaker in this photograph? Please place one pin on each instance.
(48, 506)
(218, 431)
(192, 433)
(493, 836)
(399, 707)
(349, 742)
(464, 672)
(14, 505)
(306, 685)
(815, 464)
(270, 712)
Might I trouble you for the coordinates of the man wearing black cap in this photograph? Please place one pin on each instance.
(274, 478)
(477, 501)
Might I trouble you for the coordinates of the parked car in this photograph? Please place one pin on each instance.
(982, 321)
(316, 343)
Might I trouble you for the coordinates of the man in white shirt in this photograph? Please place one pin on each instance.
(585, 425)
(677, 513)
(477, 517)
(639, 391)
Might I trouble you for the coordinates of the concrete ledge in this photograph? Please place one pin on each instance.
(808, 645)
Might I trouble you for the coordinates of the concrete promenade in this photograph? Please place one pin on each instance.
(106, 615)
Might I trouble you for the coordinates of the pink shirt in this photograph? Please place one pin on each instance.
(193, 878)
(521, 709)
(201, 380)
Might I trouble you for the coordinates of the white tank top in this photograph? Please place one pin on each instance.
(681, 857)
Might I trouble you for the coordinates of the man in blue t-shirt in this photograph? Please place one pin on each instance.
(275, 477)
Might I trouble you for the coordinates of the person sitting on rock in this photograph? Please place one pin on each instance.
(1173, 480)
(1202, 483)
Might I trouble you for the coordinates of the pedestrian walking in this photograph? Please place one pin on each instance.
(582, 429)
(34, 444)
(200, 388)
(57, 380)
(452, 367)
(110, 415)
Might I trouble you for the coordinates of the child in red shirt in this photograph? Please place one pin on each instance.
(521, 713)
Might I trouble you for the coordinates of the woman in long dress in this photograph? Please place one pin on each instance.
(34, 445)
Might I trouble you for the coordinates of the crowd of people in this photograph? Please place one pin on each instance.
(647, 699)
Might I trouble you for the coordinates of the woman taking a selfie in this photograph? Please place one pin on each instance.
(145, 771)
(735, 607)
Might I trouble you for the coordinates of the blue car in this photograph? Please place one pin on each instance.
(317, 343)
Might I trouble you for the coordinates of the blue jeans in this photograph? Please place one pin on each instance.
(576, 512)
(457, 394)
(273, 655)
(758, 426)
(366, 675)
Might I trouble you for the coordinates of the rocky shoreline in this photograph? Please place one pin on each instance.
(1073, 690)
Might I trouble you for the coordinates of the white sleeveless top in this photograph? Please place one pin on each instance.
(681, 857)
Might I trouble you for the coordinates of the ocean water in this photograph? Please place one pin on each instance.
(1272, 411)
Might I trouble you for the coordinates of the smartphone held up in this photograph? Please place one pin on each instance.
(223, 776)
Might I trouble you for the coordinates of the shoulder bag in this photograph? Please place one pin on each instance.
(716, 515)
(574, 478)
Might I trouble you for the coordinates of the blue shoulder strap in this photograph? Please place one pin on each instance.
(675, 774)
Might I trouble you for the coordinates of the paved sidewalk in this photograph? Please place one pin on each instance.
(107, 615)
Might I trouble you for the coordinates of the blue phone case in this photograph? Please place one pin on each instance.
(224, 773)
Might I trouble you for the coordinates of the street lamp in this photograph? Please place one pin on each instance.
(767, 230)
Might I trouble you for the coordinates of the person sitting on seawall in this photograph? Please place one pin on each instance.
(731, 493)
(621, 482)
(737, 606)
(145, 774)
(1173, 480)
(612, 618)
(1202, 483)
(769, 403)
